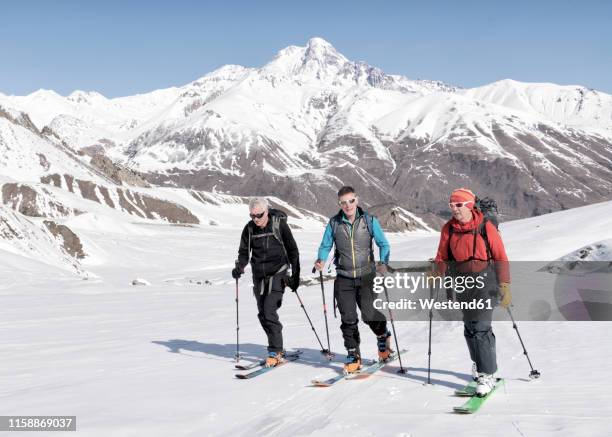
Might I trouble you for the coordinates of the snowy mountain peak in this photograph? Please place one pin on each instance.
(320, 43)
(318, 60)
(229, 72)
(44, 94)
(319, 50)
(88, 97)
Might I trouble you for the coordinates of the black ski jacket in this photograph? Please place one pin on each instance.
(267, 254)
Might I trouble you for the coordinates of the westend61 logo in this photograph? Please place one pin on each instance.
(412, 283)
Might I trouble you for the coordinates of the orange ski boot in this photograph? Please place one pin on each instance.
(384, 346)
(353, 362)
(274, 359)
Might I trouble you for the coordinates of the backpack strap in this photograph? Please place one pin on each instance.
(369, 221)
(449, 254)
(482, 231)
(333, 222)
(277, 234)
(485, 237)
(250, 229)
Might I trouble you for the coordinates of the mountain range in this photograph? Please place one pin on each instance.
(310, 120)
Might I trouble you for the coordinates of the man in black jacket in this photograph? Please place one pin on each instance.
(268, 241)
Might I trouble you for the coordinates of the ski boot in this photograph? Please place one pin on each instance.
(486, 383)
(474, 372)
(274, 359)
(353, 361)
(384, 346)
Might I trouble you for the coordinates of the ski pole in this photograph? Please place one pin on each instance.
(399, 355)
(430, 329)
(324, 310)
(534, 374)
(429, 348)
(323, 350)
(237, 326)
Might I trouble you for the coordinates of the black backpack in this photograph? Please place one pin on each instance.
(488, 207)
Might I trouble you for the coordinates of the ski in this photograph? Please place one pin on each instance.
(327, 382)
(250, 365)
(331, 381)
(474, 403)
(254, 364)
(370, 370)
(468, 390)
(372, 367)
(289, 357)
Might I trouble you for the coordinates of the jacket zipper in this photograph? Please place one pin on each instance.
(352, 227)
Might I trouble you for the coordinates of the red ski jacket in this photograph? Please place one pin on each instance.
(464, 248)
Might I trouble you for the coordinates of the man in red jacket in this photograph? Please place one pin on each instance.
(473, 246)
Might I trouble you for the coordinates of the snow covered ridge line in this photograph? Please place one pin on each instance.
(311, 120)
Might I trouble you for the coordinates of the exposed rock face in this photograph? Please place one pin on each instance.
(88, 190)
(49, 243)
(91, 151)
(28, 201)
(154, 208)
(70, 241)
(523, 186)
(309, 191)
(7, 232)
(129, 201)
(396, 219)
(573, 171)
(19, 118)
(117, 173)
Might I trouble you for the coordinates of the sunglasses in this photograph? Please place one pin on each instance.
(459, 204)
(347, 202)
(257, 216)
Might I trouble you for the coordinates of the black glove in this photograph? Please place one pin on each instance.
(293, 283)
(237, 272)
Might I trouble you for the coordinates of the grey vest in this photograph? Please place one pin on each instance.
(354, 256)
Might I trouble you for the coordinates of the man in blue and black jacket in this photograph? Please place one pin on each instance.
(352, 231)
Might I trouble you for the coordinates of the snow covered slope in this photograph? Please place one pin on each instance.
(158, 360)
(574, 106)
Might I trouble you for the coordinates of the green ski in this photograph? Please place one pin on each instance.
(468, 390)
(474, 403)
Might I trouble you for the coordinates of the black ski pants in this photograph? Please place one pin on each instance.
(269, 296)
(351, 293)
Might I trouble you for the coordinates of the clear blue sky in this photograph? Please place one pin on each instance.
(121, 48)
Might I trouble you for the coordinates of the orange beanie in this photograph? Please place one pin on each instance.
(462, 195)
